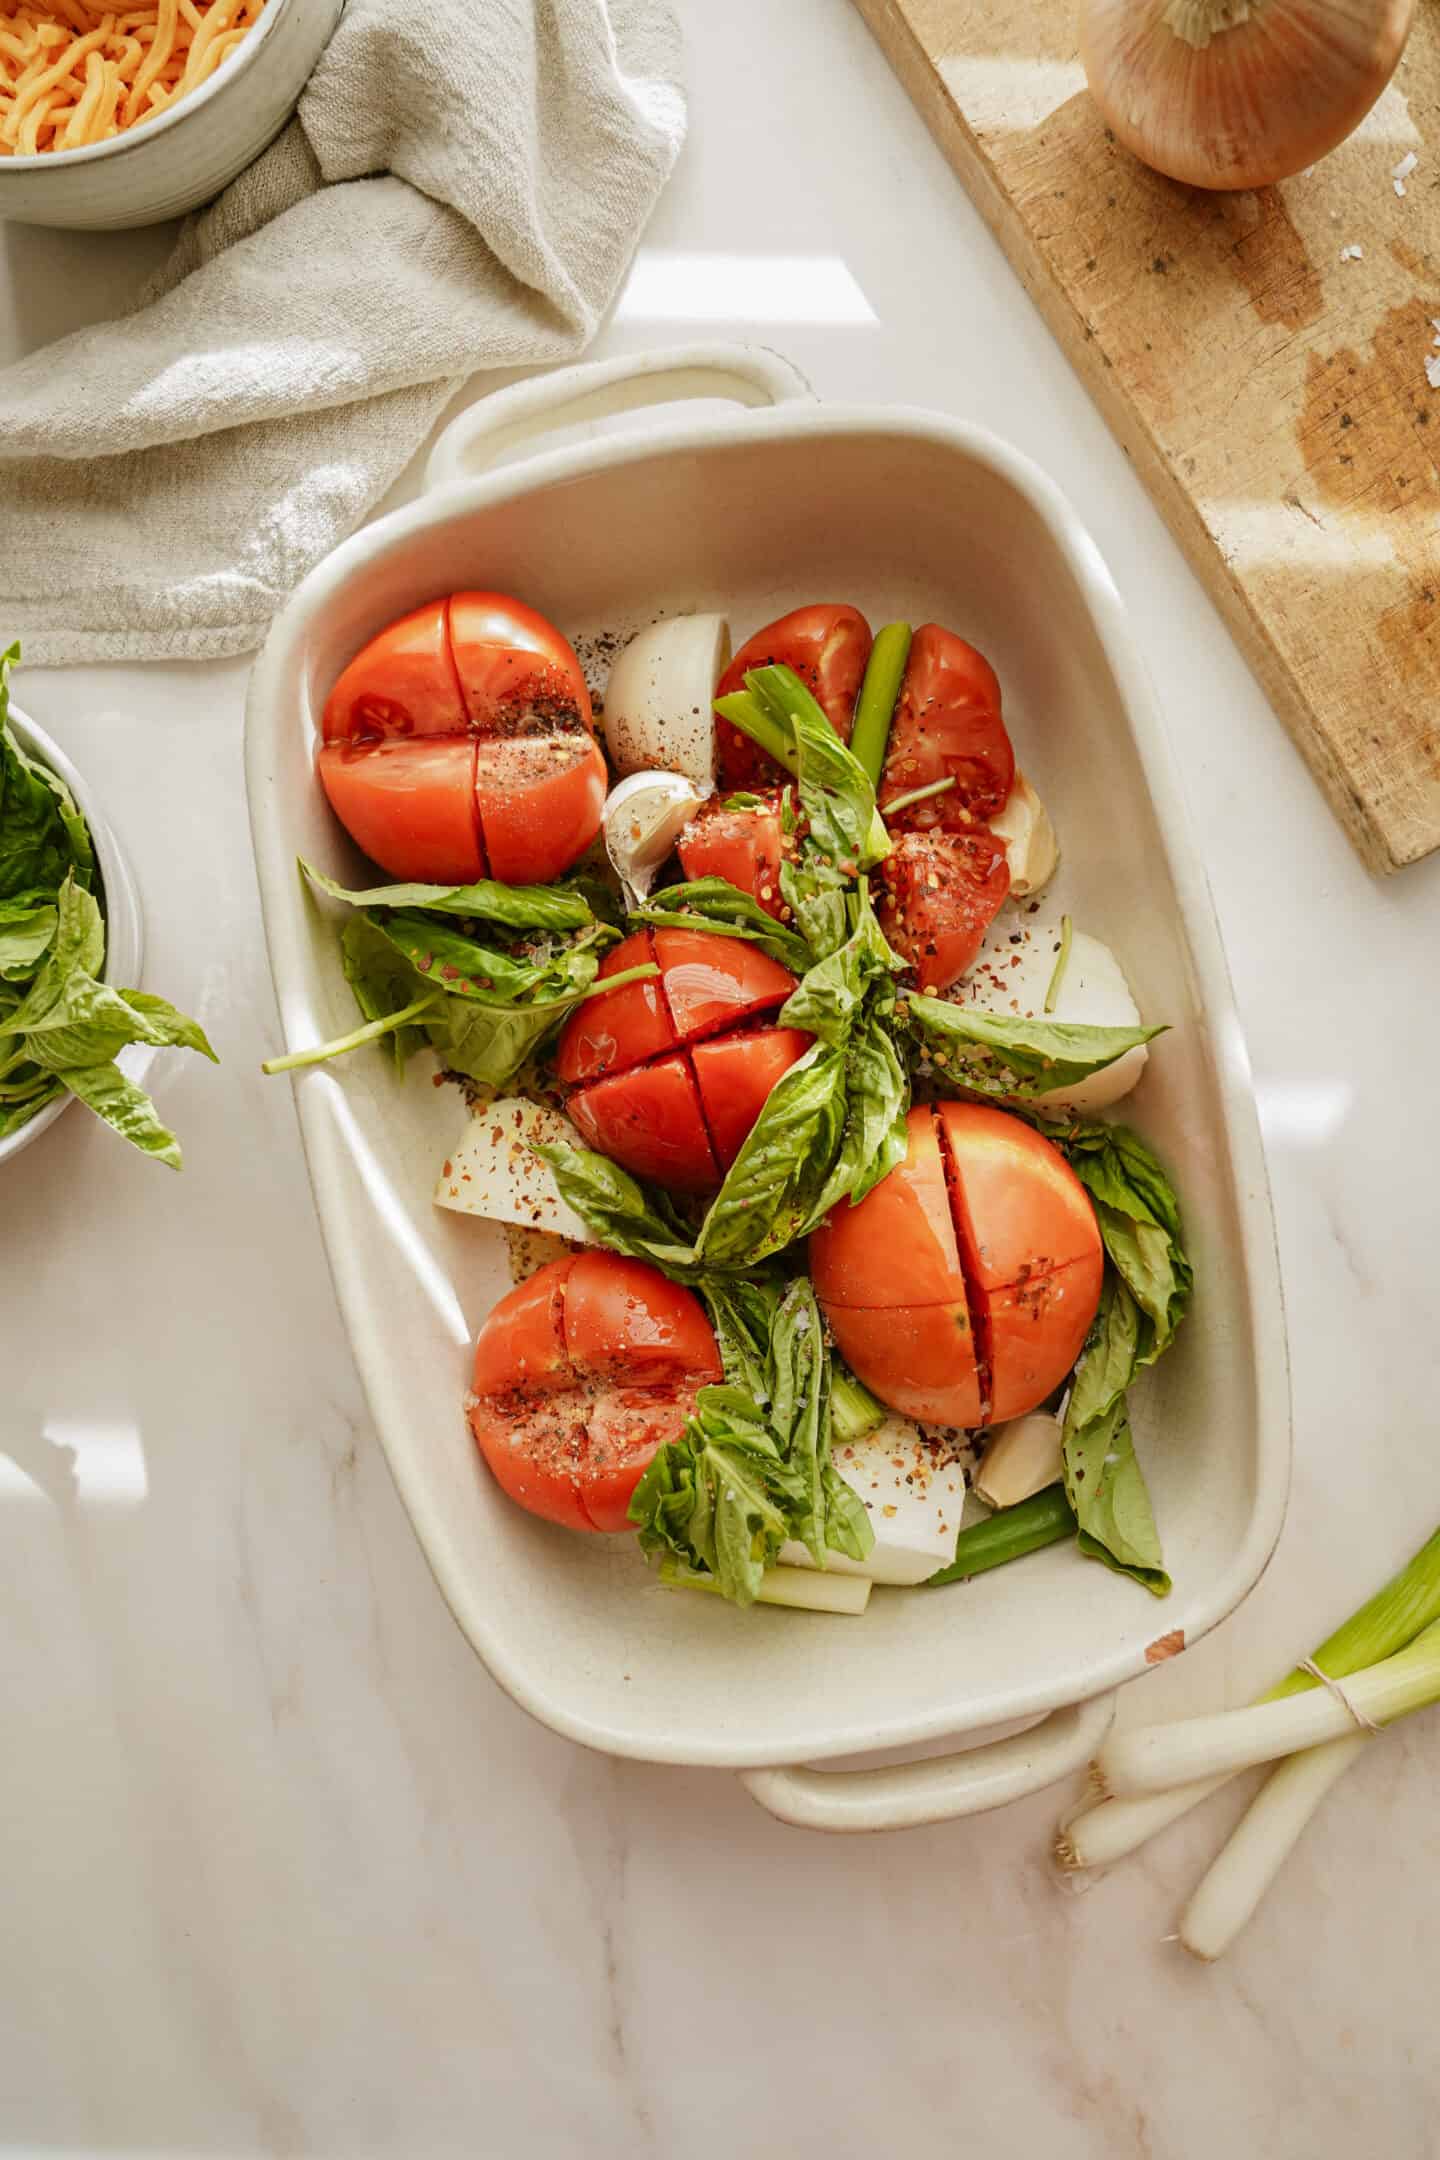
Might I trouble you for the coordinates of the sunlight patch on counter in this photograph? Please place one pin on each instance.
(681, 285)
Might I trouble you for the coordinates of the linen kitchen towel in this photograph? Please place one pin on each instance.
(462, 187)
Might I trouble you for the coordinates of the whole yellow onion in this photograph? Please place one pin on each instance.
(1238, 93)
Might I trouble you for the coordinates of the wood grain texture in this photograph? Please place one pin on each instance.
(1273, 397)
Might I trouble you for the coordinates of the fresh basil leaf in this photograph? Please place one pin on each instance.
(37, 846)
(836, 794)
(1139, 1220)
(828, 999)
(76, 951)
(27, 925)
(86, 1022)
(743, 1478)
(490, 1043)
(715, 905)
(384, 982)
(720, 1496)
(877, 1102)
(818, 898)
(620, 1211)
(127, 1108)
(771, 1189)
(800, 1408)
(447, 959)
(993, 1054)
(742, 1312)
(169, 1026)
(21, 1098)
(1103, 1479)
(518, 907)
(1112, 1507)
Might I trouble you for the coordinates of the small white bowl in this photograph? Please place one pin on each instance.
(187, 154)
(124, 925)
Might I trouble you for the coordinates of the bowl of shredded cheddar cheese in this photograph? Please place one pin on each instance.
(129, 112)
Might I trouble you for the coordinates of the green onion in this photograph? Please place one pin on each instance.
(745, 711)
(1235, 1883)
(1155, 1757)
(919, 794)
(1396, 1613)
(793, 1586)
(1044, 1519)
(875, 706)
(854, 1412)
(1067, 929)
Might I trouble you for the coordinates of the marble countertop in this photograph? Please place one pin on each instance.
(286, 1874)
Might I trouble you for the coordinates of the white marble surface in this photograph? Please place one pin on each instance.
(285, 1874)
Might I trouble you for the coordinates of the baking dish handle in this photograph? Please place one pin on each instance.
(745, 374)
(903, 1796)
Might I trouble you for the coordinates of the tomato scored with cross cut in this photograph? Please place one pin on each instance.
(580, 1374)
(962, 1288)
(827, 644)
(668, 1075)
(459, 744)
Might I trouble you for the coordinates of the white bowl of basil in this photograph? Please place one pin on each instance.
(73, 1024)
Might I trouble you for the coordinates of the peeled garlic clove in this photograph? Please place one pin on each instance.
(1031, 849)
(660, 700)
(1225, 94)
(642, 820)
(1022, 1459)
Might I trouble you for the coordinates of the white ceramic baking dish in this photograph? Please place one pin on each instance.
(904, 513)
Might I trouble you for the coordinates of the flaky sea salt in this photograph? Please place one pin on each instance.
(1403, 171)
(1352, 253)
(1432, 370)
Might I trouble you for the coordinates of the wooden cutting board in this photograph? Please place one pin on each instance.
(1273, 396)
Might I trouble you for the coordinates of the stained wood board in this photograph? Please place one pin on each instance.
(1272, 394)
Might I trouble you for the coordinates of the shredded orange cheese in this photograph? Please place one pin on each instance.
(75, 72)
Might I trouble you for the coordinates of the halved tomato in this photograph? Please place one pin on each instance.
(580, 1374)
(827, 645)
(942, 891)
(669, 1075)
(947, 726)
(461, 736)
(962, 1288)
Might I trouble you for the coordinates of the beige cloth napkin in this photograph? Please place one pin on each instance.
(462, 188)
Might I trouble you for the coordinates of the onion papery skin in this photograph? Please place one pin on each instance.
(1238, 93)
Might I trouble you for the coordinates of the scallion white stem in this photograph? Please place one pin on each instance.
(1262, 1840)
(793, 1586)
(1106, 1832)
(1385, 1623)
(1156, 1757)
